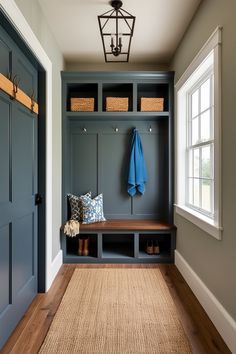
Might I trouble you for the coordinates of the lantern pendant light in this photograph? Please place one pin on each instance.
(116, 28)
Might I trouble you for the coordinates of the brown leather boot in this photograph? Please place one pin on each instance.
(156, 247)
(149, 247)
(86, 247)
(81, 247)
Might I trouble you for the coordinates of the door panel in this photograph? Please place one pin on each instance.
(26, 73)
(18, 214)
(152, 203)
(6, 55)
(22, 252)
(22, 155)
(84, 158)
(113, 174)
(14, 62)
(4, 153)
(4, 267)
(18, 186)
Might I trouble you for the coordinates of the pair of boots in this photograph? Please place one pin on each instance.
(152, 247)
(83, 249)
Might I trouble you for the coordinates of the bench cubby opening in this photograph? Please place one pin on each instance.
(72, 245)
(117, 246)
(163, 240)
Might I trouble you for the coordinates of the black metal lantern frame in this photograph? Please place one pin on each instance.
(116, 28)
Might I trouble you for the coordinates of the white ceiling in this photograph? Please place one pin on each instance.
(159, 27)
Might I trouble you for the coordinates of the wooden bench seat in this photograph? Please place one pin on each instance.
(123, 241)
(127, 225)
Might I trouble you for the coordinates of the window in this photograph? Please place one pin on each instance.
(200, 147)
(198, 139)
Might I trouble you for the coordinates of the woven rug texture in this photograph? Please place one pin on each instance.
(116, 311)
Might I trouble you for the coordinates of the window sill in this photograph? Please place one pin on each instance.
(204, 223)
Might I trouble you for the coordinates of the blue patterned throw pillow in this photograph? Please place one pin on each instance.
(92, 209)
(76, 206)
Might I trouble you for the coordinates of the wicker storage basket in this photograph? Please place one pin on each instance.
(117, 104)
(82, 104)
(152, 104)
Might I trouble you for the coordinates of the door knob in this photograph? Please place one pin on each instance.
(38, 199)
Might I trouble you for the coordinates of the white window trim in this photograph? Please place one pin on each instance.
(212, 227)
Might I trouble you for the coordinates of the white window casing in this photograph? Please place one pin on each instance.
(207, 62)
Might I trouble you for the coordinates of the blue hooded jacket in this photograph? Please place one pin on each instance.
(137, 168)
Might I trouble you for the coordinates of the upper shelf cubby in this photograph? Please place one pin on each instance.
(119, 90)
(83, 90)
(153, 90)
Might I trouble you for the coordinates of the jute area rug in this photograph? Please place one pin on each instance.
(116, 311)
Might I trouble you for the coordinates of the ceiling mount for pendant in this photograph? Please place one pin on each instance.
(116, 4)
(116, 28)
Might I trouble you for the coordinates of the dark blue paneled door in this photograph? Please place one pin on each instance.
(18, 186)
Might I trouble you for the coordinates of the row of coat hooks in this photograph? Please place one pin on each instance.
(116, 129)
(11, 86)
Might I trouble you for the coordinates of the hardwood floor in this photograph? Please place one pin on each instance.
(31, 331)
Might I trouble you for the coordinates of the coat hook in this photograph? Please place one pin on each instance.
(18, 82)
(32, 101)
(150, 129)
(116, 129)
(84, 129)
(15, 86)
(9, 76)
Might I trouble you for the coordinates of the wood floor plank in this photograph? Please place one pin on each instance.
(201, 332)
(29, 341)
(39, 315)
(14, 338)
(32, 329)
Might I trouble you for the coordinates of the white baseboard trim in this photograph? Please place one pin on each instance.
(53, 270)
(222, 320)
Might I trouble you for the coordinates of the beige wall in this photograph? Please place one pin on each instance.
(34, 16)
(215, 261)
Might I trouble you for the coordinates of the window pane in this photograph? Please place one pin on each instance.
(196, 192)
(196, 163)
(190, 163)
(190, 190)
(195, 103)
(205, 126)
(205, 95)
(206, 162)
(206, 195)
(195, 124)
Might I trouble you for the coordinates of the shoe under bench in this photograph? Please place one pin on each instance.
(122, 241)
